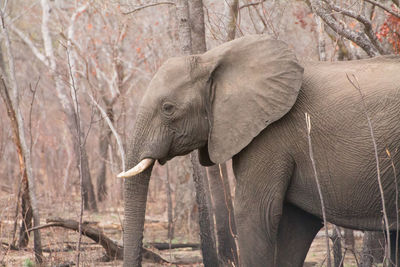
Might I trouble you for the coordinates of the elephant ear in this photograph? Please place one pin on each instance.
(254, 81)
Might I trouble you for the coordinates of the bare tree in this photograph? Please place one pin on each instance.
(10, 95)
(191, 36)
(48, 58)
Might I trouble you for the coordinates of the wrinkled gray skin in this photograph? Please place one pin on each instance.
(246, 100)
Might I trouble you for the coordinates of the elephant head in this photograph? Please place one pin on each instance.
(216, 102)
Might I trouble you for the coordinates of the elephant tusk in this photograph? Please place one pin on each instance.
(143, 165)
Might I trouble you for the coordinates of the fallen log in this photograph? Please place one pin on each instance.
(164, 246)
(9, 246)
(113, 250)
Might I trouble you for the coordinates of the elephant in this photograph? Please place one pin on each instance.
(246, 100)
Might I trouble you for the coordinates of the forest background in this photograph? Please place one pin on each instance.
(73, 73)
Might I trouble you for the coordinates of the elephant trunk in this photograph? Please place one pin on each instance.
(135, 196)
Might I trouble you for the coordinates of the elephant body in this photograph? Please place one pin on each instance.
(281, 176)
(247, 100)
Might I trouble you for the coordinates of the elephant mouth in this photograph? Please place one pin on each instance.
(162, 161)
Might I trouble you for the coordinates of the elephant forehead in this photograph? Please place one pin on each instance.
(173, 73)
(173, 80)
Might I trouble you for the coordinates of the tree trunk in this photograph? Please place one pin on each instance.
(349, 239)
(373, 248)
(11, 100)
(26, 208)
(337, 247)
(198, 39)
(209, 253)
(224, 215)
(103, 150)
(192, 40)
(185, 38)
(26, 212)
(185, 210)
(230, 18)
(68, 108)
(170, 235)
(88, 191)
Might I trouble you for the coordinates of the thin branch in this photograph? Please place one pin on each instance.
(328, 255)
(363, 20)
(251, 4)
(146, 6)
(116, 135)
(359, 38)
(78, 133)
(30, 44)
(34, 90)
(383, 7)
(356, 85)
(396, 205)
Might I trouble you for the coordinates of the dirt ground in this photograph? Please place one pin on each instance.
(60, 243)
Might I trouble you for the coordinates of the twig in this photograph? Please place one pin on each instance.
(383, 7)
(34, 90)
(221, 175)
(78, 133)
(170, 209)
(360, 38)
(308, 122)
(146, 6)
(116, 135)
(251, 4)
(363, 20)
(396, 205)
(356, 85)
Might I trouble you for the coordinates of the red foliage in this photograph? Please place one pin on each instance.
(390, 30)
(300, 15)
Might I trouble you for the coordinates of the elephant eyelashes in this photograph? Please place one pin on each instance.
(168, 109)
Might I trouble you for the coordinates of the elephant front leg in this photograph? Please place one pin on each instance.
(297, 230)
(257, 215)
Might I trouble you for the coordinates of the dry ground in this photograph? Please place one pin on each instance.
(63, 242)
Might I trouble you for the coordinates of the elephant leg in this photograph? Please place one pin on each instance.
(296, 232)
(258, 209)
(262, 182)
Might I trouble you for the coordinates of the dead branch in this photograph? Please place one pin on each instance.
(360, 38)
(251, 4)
(383, 7)
(9, 246)
(308, 122)
(146, 6)
(363, 20)
(164, 246)
(116, 135)
(354, 82)
(396, 204)
(113, 250)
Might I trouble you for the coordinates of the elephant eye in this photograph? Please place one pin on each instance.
(168, 108)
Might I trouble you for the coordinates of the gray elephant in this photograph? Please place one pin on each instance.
(247, 100)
